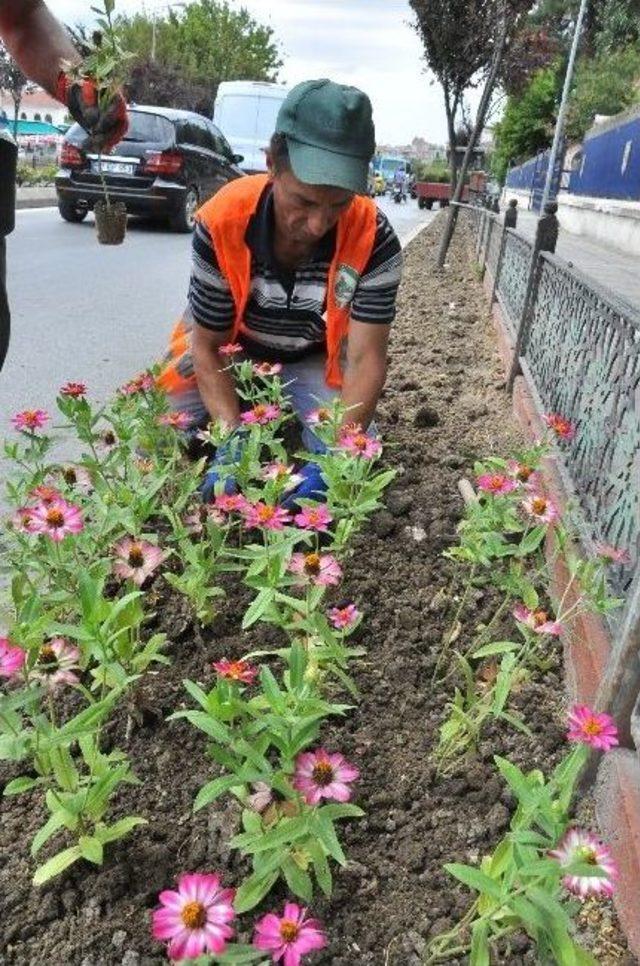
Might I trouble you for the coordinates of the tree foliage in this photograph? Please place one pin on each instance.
(606, 84)
(460, 39)
(527, 124)
(13, 82)
(183, 56)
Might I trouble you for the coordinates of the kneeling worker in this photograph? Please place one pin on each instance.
(299, 267)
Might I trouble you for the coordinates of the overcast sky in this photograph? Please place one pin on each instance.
(367, 43)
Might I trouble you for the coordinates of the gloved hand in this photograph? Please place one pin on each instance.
(229, 452)
(106, 126)
(312, 487)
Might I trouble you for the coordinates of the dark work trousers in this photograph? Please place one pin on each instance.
(8, 159)
(5, 315)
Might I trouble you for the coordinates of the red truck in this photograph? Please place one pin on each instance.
(429, 191)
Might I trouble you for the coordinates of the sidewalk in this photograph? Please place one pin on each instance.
(35, 197)
(610, 268)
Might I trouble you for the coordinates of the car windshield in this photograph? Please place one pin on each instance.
(248, 116)
(143, 128)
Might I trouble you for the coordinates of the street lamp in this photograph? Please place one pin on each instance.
(564, 103)
(153, 27)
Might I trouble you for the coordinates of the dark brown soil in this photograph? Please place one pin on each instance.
(443, 408)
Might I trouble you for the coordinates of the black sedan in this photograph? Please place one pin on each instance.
(169, 163)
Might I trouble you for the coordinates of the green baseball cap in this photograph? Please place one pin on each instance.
(330, 134)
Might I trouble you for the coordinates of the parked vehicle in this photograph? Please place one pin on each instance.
(169, 163)
(429, 191)
(386, 166)
(246, 111)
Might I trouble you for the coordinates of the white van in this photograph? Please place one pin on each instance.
(246, 112)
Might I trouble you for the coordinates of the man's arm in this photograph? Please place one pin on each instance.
(36, 41)
(217, 388)
(366, 370)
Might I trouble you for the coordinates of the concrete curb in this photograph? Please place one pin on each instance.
(586, 653)
(35, 197)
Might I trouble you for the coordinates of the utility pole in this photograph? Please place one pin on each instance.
(564, 103)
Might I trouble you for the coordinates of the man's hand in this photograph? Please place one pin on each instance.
(227, 453)
(312, 487)
(106, 126)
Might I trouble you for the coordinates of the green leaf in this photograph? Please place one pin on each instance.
(480, 944)
(56, 865)
(257, 608)
(53, 824)
(239, 955)
(327, 835)
(320, 866)
(111, 833)
(209, 792)
(333, 812)
(91, 849)
(500, 647)
(475, 879)
(253, 890)
(22, 784)
(532, 541)
(287, 830)
(297, 665)
(297, 879)
(205, 722)
(272, 691)
(197, 694)
(514, 778)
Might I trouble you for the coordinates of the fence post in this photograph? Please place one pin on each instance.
(620, 685)
(511, 214)
(545, 241)
(486, 243)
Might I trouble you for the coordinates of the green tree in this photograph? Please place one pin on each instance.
(203, 44)
(618, 25)
(527, 124)
(606, 84)
(13, 82)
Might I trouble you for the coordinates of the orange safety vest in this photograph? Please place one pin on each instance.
(226, 217)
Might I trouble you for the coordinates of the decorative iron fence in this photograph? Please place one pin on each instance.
(578, 348)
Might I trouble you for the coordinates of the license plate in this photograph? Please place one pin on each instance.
(114, 167)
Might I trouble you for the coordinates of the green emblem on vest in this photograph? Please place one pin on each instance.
(346, 284)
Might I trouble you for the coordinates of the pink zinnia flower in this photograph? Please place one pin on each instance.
(323, 570)
(289, 937)
(230, 502)
(195, 522)
(108, 440)
(264, 516)
(77, 477)
(261, 414)
(74, 389)
(496, 483)
(357, 443)
(282, 473)
(523, 474)
(267, 368)
(612, 554)
(583, 847)
(314, 518)
(195, 917)
(318, 417)
(136, 559)
(177, 420)
(343, 618)
(261, 797)
(230, 349)
(541, 508)
(537, 620)
(321, 775)
(46, 494)
(57, 519)
(30, 419)
(141, 383)
(56, 664)
(11, 659)
(561, 426)
(236, 670)
(594, 728)
(22, 520)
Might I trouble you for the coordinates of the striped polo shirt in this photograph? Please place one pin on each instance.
(286, 308)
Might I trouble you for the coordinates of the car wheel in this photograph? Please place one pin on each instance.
(70, 211)
(184, 219)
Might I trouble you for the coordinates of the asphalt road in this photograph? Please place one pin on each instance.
(86, 312)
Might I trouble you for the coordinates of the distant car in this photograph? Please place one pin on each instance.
(169, 163)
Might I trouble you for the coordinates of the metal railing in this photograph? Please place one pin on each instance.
(577, 345)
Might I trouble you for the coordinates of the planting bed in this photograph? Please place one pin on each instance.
(444, 407)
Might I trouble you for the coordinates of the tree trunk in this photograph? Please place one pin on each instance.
(485, 101)
(450, 110)
(16, 111)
